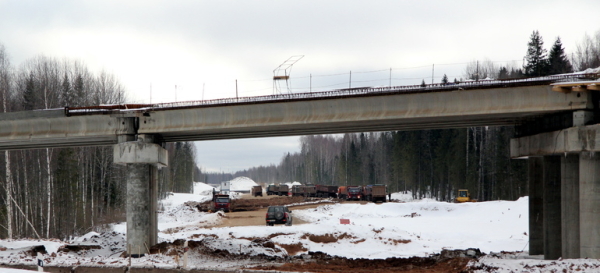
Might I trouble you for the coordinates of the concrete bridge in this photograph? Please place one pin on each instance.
(553, 115)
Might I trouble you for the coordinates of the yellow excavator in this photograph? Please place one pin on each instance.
(464, 196)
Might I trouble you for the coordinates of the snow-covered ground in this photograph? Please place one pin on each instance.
(397, 229)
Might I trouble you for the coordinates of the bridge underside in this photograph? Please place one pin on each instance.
(564, 191)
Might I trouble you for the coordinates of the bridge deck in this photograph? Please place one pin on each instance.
(486, 103)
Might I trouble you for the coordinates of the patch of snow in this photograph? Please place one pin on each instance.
(242, 183)
(202, 188)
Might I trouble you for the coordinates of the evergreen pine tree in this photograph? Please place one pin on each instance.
(445, 79)
(79, 96)
(455, 81)
(66, 91)
(516, 74)
(423, 83)
(503, 74)
(537, 61)
(29, 93)
(557, 59)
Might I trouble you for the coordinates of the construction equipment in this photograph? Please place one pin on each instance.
(354, 193)
(221, 202)
(464, 196)
(378, 193)
(257, 191)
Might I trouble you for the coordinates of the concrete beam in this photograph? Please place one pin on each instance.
(135, 152)
(494, 106)
(328, 113)
(570, 140)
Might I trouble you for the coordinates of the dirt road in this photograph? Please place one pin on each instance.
(257, 217)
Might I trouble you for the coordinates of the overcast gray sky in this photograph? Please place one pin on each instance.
(164, 51)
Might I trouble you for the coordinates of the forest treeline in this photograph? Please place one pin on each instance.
(58, 192)
(430, 163)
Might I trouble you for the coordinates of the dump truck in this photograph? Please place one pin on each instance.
(308, 190)
(297, 190)
(283, 190)
(272, 190)
(367, 190)
(221, 202)
(257, 191)
(378, 193)
(464, 196)
(326, 191)
(354, 193)
(342, 192)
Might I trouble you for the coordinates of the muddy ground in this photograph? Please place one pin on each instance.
(447, 261)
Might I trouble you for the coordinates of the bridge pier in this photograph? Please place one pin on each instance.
(569, 169)
(142, 158)
(568, 163)
(536, 207)
(552, 208)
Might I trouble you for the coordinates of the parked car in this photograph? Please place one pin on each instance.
(278, 215)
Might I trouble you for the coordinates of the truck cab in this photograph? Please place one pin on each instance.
(222, 202)
(354, 193)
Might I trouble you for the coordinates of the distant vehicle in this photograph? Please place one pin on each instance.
(464, 196)
(221, 202)
(354, 193)
(378, 193)
(367, 192)
(309, 190)
(257, 191)
(327, 191)
(283, 190)
(272, 190)
(342, 192)
(297, 190)
(278, 215)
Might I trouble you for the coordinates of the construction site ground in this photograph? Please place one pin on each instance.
(250, 211)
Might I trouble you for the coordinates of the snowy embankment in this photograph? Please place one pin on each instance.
(418, 228)
(398, 229)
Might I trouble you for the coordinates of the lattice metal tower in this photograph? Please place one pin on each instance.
(282, 72)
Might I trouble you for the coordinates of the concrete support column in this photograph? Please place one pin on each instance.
(589, 206)
(142, 160)
(138, 209)
(552, 208)
(536, 209)
(570, 206)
